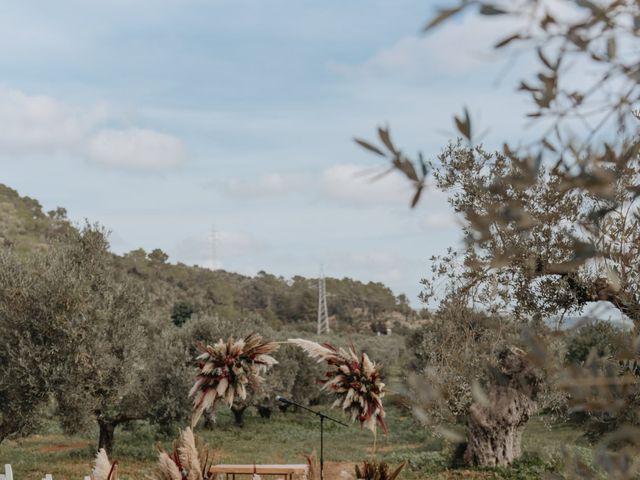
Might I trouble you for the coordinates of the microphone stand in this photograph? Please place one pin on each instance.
(322, 417)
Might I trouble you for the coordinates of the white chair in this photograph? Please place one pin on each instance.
(8, 473)
(48, 476)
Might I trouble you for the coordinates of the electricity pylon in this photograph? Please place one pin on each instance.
(323, 312)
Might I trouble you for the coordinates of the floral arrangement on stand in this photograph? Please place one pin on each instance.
(353, 379)
(227, 369)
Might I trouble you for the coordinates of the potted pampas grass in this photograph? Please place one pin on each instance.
(353, 379)
(227, 369)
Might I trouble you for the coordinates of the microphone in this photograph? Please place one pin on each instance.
(282, 399)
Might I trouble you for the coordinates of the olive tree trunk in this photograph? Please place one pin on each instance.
(495, 425)
(238, 414)
(209, 421)
(264, 411)
(4, 433)
(105, 440)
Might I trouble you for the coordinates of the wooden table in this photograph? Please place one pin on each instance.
(287, 470)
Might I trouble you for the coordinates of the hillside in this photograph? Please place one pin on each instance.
(23, 224)
(178, 291)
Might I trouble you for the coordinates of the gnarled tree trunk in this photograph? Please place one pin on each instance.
(105, 440)
(495, 426)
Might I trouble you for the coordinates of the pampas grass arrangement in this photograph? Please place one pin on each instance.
(354, 380)
(227, 369)
(377, 471)
(186, 461)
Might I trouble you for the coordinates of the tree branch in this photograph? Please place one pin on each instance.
(599, 289)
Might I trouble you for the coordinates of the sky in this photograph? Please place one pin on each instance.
(166, 120)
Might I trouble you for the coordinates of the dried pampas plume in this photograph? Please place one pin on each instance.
(167, 468)
(313, 466)
(103, 469)
(186, 461)
(227, 369)
(188, 454)
(354, 380)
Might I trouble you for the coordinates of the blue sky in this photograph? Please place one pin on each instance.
(160, 119)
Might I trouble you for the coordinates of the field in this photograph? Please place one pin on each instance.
(284, 438)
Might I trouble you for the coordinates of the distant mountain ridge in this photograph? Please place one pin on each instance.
(178, 291)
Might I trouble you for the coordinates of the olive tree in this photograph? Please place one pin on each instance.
(453, 353)
(468, 373)
(137, 373)
(552, 224)
(42, 304)
(103, 374)
(295, 377)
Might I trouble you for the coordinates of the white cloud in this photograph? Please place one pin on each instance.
(266, 185)
(454, 49)
(136, 149)
(440, 220)
(358, 185)
(200, 249)
(235, 244)
(346, 184)
(378, 266)
(40, 124)
(375, 260)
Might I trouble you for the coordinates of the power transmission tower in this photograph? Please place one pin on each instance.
(323, 312)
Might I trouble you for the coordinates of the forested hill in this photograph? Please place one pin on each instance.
(178, 291)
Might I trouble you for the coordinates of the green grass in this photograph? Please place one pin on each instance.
(285, 438)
